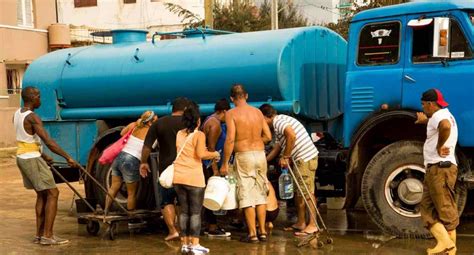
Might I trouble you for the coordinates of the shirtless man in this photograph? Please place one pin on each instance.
(247, 132)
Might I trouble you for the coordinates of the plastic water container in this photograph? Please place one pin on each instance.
(230, 202)
(285, 184)
(215, 193)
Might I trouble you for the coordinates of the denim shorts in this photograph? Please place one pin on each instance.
(127, 167)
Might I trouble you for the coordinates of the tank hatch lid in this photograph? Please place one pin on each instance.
(128, 35)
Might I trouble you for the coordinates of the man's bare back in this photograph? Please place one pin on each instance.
(248, 122)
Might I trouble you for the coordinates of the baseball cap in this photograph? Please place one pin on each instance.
(434, 95)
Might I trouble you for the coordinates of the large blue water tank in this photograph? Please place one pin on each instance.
(299, 70)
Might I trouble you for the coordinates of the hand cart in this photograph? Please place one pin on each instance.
(110, 221)
(315, 238)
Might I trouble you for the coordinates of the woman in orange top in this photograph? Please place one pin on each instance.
(188, 179)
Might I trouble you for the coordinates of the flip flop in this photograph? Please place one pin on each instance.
(249, 239)
(292, 229)
(304, 233)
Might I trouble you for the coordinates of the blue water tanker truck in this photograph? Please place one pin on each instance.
(359, 97)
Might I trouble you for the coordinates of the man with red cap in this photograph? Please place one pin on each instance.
(438, 206)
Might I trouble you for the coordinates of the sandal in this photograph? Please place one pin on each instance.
(304, 233)
(249, 239)
(292, 228)
(262, 237)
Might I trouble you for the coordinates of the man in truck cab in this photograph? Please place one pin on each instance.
(33, 167)
(438, 206)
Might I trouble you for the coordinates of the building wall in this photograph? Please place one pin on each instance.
(19, 46)
(115, 14)
(22, 45)
(45, 13)
(8, 12)
(7, 132)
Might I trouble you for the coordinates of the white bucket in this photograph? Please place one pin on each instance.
(230, 202)
(215, 193)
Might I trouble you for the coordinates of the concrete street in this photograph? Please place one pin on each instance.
(353, 232)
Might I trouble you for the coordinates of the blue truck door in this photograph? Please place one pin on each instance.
(375, 69)
(452, 74)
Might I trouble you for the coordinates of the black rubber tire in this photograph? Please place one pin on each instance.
(373, 189)
(92, 227)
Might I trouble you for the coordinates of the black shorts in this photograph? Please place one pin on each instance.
(272, 215)
(168, 196)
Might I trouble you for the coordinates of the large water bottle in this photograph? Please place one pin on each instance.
(285, 184)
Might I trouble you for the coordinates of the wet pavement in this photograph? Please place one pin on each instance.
(353, 232)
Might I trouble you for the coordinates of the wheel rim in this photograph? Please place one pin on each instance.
(122, 194)
(404, 189)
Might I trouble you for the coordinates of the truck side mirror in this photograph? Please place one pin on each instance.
(441, 37)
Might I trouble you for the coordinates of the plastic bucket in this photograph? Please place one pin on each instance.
(230, 202)
(215, 193)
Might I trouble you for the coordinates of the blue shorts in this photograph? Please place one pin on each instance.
(127, 167)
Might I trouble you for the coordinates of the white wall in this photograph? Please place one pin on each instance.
(318, 11)
(112, 14)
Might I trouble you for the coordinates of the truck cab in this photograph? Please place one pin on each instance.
(396, 53)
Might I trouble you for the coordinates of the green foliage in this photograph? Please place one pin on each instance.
(188, 18)
(342, 27)
(240, 16)
(288, 15)
(244, 16)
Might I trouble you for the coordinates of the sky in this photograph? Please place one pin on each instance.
(317, 11)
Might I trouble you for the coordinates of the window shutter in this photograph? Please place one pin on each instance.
(19, 12)
(28, 13)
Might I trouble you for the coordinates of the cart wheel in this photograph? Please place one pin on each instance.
(93, 227)
(329, 240)
(134, 231)
(112, 228)
(320, 244)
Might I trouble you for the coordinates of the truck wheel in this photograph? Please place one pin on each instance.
(392, 187)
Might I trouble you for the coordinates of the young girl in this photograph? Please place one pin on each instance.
(188, 179)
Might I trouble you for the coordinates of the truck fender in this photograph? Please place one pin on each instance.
(103, 140)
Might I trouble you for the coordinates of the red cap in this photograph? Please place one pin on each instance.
(434, 95)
